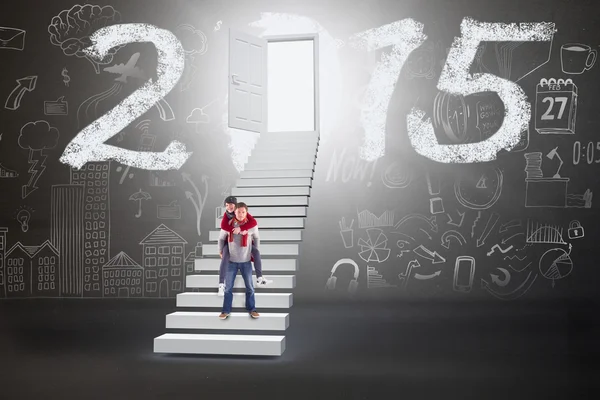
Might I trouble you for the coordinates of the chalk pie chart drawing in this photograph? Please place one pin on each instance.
(480, 194)
(556, 264)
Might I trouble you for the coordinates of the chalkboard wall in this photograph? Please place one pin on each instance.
(402, 224)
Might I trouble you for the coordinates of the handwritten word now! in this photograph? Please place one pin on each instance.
(403, 36)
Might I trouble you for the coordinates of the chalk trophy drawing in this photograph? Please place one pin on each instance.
(194, 43)
(458, 221)
(70, 30)
(482, 194)
(556, 264)
(575, 230)
(114, 282)
(436, 204)
(56, 107)
(550, 192)
(23, 216)
(555, 107)
(7, 172)
(198, 116)
(514, 294)
(375, 280)
(168, 211)
(576, 58)
(199, 204)
(374, 249)
(12, 38)
(139, 196)
(544, 233)
(32, 271)
(24, 85)
(366, 219)
(163, 263)
(36, 137)
(347, 233)
(66, 77)
(331, 281)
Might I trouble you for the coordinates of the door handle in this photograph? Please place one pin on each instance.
(233, 81)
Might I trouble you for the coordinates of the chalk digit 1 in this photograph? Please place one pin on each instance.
(455, 79)
(404, 36)
(88, 145)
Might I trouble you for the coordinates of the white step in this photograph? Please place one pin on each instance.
(274, 201)
(274, 211)
(263, 300)
(293, 134)
(262, 166)
(237, 320)
(271, 191)
(280, 146)
(268, 264)
(212, 281)
(267, 235)
(266, 249)
(273, 223)
(288, 139)
(276, 157)
(270, 182)
(290, 152)
(278, 173)
(246, 345)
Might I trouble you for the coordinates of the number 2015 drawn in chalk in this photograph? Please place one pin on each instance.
(88, 145)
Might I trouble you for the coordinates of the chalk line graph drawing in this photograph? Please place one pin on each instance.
(24, 85)
(36, 137)
(514, 294)
(56, 107)
(139, 196)
(12, 38)
(576, 58)
(71, 30)
(374, 248)
(201, 201)
(347, 233)
(544, 233)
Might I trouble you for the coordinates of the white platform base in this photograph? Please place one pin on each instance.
(268, 264)
(263, 300)
(212, 281)
(237, 321)
(271, 191)
(243, 345)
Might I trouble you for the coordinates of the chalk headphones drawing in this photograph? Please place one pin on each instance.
(353, 283)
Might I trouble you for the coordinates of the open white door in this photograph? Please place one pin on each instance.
(247, 82)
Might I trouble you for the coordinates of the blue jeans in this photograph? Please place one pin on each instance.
(225, 263)
(230, 274)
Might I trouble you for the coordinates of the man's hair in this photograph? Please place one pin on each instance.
(241, 205)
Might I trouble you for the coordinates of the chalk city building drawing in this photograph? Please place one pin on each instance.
(3, 232)
(123, 277)
(163, 252)
(31, 271)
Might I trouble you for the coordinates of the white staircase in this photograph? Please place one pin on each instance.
(275, 184)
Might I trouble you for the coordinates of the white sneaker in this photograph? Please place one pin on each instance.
(263, 282)
(221, 291)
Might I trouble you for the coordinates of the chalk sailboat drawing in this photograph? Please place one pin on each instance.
(139, 196)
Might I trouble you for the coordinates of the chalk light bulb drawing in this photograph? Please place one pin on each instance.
(23, 217)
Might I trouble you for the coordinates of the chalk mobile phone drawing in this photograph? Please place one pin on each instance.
(464, 271)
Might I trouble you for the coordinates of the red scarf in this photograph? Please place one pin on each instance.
(242, 227)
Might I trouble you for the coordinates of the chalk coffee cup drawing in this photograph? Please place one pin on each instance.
(576, 58)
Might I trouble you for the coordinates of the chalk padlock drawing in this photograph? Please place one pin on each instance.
(575, 231)
(555, 106)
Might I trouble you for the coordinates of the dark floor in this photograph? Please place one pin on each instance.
(421, 350)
